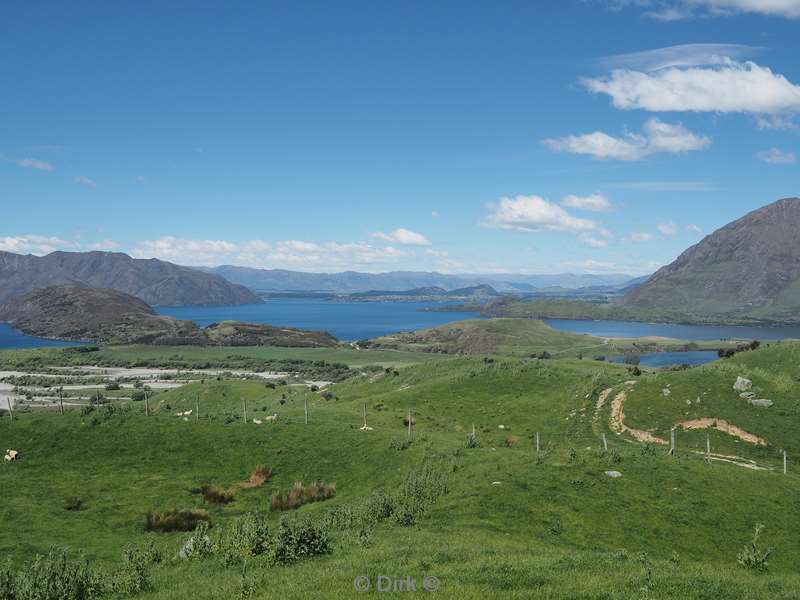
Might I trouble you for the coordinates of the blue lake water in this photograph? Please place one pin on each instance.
(11, 338)
(668, 359)
(348, 321)
(626, 329)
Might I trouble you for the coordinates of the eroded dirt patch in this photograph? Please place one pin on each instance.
(723, 426)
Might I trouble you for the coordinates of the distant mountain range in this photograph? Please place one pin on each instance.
(749, 268)
(156, 282)
(348, 282)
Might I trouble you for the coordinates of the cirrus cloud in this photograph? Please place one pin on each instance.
(776, 156)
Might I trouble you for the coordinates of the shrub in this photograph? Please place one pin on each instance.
(472, 442)
(419, 490)
(112, 386)
(246, 537)
(137, 395)
(400, 445)
(751, 556)
(217, 495)
(198, 545)
(296, 540)
(133, 577)
(176, 520)
(54, 576)
(303, 494)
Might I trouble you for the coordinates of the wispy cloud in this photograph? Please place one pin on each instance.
(640, 236)
(83, 180)
(402, 236)
(34, 163)
(674, 10)
(694, 228)
(593, 203)
(667, 228)
(684, 55)
(665, 186)
(658, 137)
(777, 156)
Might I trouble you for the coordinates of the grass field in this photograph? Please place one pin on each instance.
(509, 526)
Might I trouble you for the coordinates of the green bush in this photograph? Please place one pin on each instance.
(247, 536)
(297, 540)
(54, 576)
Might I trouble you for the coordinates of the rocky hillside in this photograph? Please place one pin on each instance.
(93, 314)
(750, 267)
(110, 317)
(157, 282)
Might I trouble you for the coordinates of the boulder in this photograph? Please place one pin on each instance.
(614, 474)
(747, 395)
(761, 403)
(742, 384)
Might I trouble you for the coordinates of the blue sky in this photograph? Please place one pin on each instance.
(531, 137)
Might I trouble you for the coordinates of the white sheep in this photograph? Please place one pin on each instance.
(271, 418)
(11, 455)
(257, 421)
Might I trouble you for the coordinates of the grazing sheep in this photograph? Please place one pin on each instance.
(257, 421)
(271, 418)
(11, 455)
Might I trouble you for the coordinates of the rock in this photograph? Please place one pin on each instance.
(666, 391)
(762, 403)
(747, 395)
(614, 474)
(501, 427)
(497, 483)
(742, 384)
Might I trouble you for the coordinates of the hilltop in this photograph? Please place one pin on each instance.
(107, 316)
(749, 268)
(157, 282)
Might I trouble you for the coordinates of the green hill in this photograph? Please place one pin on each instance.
(510, 524)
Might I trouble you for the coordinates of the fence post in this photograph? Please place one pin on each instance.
(605, 443)
(61, 400)
(146, 405)
(672, 442)
(785, 470)
(537, 445)
(244, 409)
(708, 448)
(197, 407)
(305, 408)
(365, 415)
(409, 424)
(10, 408)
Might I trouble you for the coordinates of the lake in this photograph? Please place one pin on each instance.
(668, 359)
(348, 321)
(628, 329)
(11, 338)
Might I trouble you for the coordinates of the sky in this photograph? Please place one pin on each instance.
(584, 136)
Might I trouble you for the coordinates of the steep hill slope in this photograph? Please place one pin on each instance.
(157, 282)
(750, 267)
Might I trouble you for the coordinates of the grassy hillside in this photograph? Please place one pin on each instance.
(524, 337)
(509, 525)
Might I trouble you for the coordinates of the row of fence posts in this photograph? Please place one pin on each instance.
(672, 433)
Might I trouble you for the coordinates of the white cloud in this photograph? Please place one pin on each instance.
(534, 213)
(402, 236)
(657, 137)
(694, 228)
(604, 267)
(83, 180)
(672, 10)
(640, 236)
(41, 244)
(435, 214)
(35, 164)
(593, 202)
(730, 88)
(288, 254)
(777, 156)
(667, 228)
